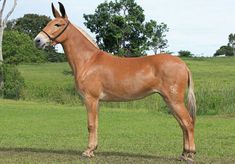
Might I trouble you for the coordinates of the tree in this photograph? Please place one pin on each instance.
(225, 50)
(120, 27)
(3, 22)
(231, 42)
(157, 37)
(183, 53)
(19, 48)
(229, 49)
(32, 24)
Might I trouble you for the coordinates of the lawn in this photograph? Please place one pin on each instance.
(32, 132)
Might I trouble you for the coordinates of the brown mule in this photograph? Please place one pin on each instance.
(100, 76)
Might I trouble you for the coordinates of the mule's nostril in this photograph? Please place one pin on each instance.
(38, 42)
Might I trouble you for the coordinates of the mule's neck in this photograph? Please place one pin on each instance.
(78, 49)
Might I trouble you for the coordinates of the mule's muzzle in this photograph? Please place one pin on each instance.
(39, 44)
(40, 41)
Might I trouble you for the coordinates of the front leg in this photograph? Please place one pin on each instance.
(92, 105)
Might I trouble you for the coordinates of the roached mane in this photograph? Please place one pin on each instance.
(87, 36)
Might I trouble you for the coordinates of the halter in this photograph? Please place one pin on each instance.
(54, 39)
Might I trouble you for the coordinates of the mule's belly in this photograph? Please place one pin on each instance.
(125, 96)
(130, 85)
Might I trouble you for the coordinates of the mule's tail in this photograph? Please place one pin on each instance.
(191, 98)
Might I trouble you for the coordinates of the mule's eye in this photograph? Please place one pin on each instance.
(57, 25)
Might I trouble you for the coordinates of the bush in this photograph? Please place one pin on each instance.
(13, 82)
(19, 48)
(225, 50)
(185, 53)
(53, 56)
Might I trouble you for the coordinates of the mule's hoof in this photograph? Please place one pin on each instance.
(183, 157)
(190, 161)
(88, 154)
(187, 157)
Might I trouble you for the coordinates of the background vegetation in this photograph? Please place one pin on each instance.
(18, 45)
(229, 49)
(185, 53)
(13, 82)
(121, 29)
(19, 48)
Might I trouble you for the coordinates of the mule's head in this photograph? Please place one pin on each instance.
(55, 30)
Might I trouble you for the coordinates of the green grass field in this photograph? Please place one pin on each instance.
(49, 133)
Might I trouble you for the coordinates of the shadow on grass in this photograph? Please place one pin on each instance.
(79, 153)
(38, 150)
(132, 155)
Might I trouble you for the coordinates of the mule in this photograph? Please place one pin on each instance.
(100, 76)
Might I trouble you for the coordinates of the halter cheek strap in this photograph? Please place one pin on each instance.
(54, 39)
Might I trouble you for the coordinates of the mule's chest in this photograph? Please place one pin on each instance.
(87, 86)
(80, 87)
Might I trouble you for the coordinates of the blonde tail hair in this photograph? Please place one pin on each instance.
(192, 108)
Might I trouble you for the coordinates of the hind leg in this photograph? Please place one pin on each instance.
(186, 123)
(179, 111)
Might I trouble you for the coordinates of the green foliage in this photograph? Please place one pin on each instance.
(231, 40)
(121, 29)
(225, 50)
(157, 35)
(50, 82)
(19, 48)
(214, 84)
(183, 53)
(13, 82)
(229, 49)
(53, 56)
(32, 24)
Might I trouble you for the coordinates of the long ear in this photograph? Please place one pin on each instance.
(62, 10)
(54, 11)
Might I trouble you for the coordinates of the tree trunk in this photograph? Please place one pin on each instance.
(1, 37)
(2, 26)
(1, 55)
(3, 23)
(233, 46)
(155, 50)
(1, 62)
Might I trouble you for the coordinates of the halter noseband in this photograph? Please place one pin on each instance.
(54, 39)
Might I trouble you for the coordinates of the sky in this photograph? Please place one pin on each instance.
(199, 26)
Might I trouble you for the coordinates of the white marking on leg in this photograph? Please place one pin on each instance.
(173, 89)
(102, 95)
